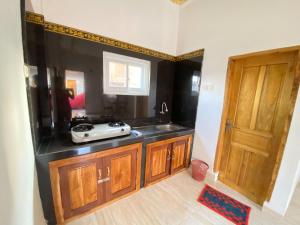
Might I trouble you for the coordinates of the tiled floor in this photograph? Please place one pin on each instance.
(173, 202)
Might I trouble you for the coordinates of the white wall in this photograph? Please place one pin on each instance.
(298, 176)
(151, 24)
(227, 28)
(19, 203)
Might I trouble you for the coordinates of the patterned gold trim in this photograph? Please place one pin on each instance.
(61, 29)
(57, 28)
(35, 18)
(189, 55)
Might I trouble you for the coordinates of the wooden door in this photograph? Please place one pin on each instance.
(259, 105)
(179, 151)
(157, 161)
(80, 189)
(121, 171)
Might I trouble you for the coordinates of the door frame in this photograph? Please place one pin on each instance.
(228, 90)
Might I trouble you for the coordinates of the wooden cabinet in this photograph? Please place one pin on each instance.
(179, 155)
(157, 161)
(79, 188)
(166, 157)
(121, 168)
(81, 184)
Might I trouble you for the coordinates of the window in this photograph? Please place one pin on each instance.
(124, 75)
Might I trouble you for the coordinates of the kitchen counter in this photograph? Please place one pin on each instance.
(60, 146)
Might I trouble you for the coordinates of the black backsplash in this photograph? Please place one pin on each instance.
(186, 91)
(52, 53)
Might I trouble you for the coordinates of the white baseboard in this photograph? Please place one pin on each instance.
(212, 175)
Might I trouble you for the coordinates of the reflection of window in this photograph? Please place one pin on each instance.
(117, 74)
(195, 83)
(75, 81)
(123, 75)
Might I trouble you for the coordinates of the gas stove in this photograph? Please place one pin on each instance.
(86, 132)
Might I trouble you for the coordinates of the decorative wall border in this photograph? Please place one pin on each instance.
(34, 18)
(189, 55)
(57, 28)
(61, 29)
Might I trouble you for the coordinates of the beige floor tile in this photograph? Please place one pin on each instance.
(174, 202)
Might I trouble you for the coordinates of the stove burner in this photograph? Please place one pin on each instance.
(116, 124)
(83, 127)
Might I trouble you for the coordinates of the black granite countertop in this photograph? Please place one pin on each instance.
(61, 146)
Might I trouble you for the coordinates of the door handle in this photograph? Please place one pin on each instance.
(107, 178)
(107, 171)
(173, 155)
(228, 125)
(99, 174)
(169, 154)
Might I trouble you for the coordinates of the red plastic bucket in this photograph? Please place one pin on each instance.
(199, 169)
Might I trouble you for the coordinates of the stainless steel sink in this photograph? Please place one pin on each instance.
(152, 129)
(169, 127)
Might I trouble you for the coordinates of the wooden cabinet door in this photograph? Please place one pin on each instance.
(157, 161)
(121, 171)
(179, 151)
(79, 186)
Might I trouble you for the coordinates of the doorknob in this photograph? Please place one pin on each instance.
(228, 125)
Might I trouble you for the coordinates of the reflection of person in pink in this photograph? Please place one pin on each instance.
(63, 105)
(78, 102)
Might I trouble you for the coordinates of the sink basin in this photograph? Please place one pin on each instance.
(151, 129)
(169, 127)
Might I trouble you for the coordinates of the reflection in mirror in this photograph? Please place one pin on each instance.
(32, 94)
(67, 96)
(74, 83)
(32, 76)
(195, 83)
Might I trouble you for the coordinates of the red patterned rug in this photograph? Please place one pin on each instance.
(231, 209)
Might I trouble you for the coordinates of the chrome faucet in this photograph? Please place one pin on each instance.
(164, 105)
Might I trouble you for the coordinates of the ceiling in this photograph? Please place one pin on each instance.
(179, 2)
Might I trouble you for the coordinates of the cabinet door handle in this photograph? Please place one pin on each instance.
(108, 171)
(169, 154)
(173, 156)
(99, 173)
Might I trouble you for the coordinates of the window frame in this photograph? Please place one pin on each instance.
(129, 61)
